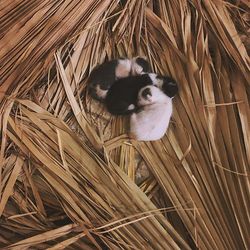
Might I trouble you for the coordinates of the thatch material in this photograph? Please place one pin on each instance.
(69, 175)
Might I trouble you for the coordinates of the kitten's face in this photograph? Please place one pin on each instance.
(151, 95)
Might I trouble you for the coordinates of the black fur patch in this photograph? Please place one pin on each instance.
(124, 92)
(102, 75)
(143, 63)
(146, 92)
(169, 87)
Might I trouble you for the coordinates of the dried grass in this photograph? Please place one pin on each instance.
(70, 178)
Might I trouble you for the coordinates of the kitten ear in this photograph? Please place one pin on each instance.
(170, 87)
(146, 93)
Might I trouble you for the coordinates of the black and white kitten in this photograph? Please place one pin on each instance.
(122, 96)
(151, 121)
(104, 75)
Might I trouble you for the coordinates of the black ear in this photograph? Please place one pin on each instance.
(169, 87)
(143, 63)
(146, 92)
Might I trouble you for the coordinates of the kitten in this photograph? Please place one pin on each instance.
(104, 75)
(151, 121)
(122, 96)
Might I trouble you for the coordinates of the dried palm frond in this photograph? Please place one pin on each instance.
(70, 177)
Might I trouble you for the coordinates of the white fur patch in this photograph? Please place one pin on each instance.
(136, 69)
(151, 122)
(154, 78)
(123, 68)
(159, 83)
(131, 107)
(156, 81)
(100, 92)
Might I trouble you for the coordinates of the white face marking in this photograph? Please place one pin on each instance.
(100, 92)
(153, 78)
(123, 68)
(156, 81)
(159, 83)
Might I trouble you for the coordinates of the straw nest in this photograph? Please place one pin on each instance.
(70, 178)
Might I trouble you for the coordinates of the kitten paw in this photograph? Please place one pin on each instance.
(131, 107)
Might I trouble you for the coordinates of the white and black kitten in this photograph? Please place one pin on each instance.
(151, 121)
(122, 96)
(104, 75)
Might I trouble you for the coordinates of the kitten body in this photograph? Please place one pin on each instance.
(122, 95)
(150, 123)
(104, 75)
